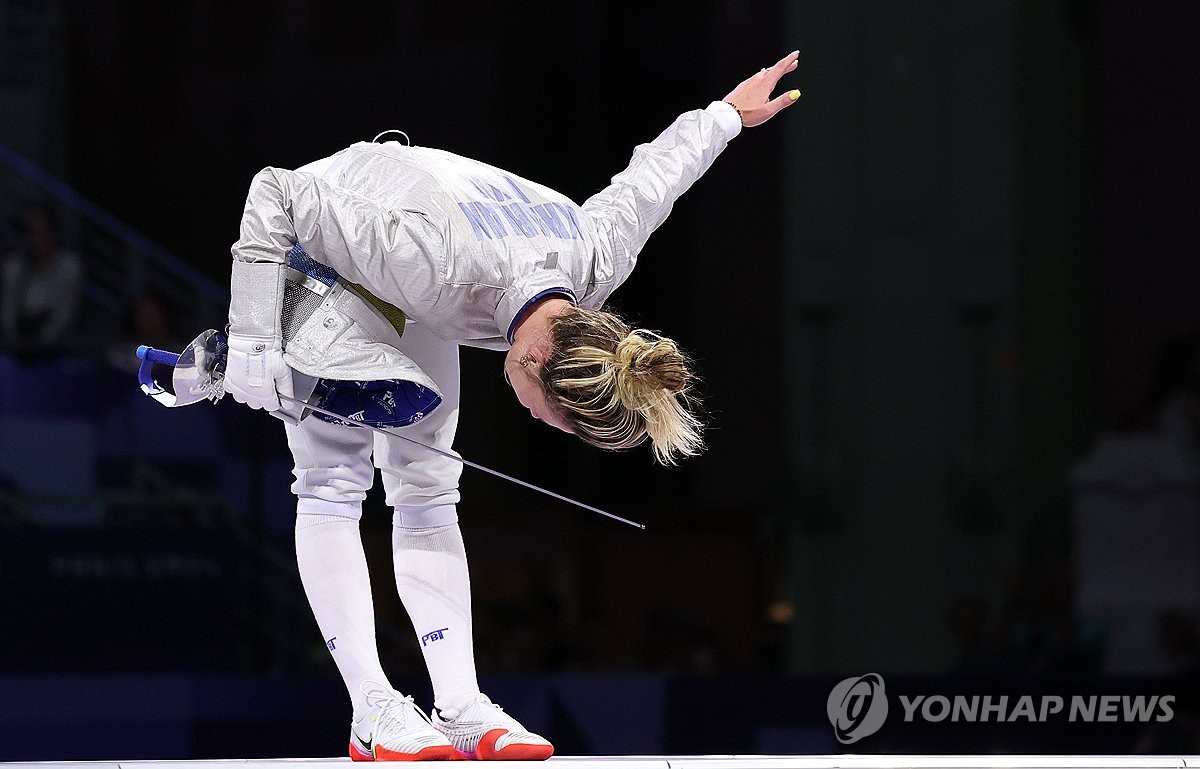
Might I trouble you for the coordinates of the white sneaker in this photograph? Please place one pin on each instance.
(483, 731)
(396, 730)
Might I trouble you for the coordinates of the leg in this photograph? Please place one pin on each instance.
(333, 473)
(431, 567)
(428, 555)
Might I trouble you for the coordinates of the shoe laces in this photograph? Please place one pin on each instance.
(393, 709)
(483, 699)
(481, 710)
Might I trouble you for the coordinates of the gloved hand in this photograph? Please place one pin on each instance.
(255, 373)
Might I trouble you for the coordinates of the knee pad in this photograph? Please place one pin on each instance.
(424, 516)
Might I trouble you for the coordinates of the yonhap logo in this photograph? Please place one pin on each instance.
(857, 707)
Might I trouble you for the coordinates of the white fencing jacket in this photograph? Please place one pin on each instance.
(460, 246)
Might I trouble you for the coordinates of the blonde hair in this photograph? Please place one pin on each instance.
(616, 386)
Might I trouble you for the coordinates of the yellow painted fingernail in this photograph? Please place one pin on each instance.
(793, 95)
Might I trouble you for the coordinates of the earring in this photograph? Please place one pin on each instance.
(524, 361)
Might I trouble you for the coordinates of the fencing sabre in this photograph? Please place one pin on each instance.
(198, 374)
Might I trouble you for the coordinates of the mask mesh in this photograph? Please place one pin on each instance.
(298, 306)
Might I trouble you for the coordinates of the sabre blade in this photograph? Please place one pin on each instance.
(467, 462)
(200, 373)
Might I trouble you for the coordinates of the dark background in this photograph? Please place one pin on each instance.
(921, 299)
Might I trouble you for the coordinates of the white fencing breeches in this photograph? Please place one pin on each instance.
(337, 463)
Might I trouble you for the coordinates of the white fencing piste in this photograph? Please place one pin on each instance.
(692, 762)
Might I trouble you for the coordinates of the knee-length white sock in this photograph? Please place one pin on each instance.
(333, 570)
(435, 587)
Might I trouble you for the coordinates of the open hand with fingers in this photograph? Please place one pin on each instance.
(752, 97)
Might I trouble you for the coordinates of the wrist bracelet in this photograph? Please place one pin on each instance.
(735, 109)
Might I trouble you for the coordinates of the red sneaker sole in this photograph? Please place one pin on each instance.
(487, 749)
(435, 753)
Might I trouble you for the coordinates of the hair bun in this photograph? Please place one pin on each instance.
(646, 364)
(616, 386)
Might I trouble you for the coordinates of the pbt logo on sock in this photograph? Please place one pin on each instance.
(857, 707)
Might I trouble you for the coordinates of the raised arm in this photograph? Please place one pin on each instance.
(640, 198)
